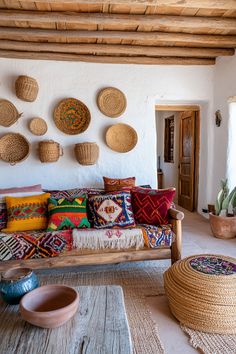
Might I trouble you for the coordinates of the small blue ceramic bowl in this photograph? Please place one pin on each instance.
(15, 283)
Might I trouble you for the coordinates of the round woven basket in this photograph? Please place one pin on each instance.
(49, 151)
(111, 102)
(8, 113)
(202, 297)
(26, 88)
(121, 137)
(14, 148)
(72, 116)
(87, 153)
(38, 126)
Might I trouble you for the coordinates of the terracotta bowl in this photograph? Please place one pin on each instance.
(49, 306)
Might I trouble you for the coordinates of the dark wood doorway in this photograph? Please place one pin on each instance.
(188, 159)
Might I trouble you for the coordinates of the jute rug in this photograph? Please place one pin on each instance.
(139, 281)
(209, 343)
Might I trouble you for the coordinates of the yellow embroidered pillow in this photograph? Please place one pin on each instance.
(26, 213)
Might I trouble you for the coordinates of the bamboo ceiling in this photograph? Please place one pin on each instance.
(119, 31)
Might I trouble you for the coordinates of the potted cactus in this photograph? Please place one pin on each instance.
(223, 221)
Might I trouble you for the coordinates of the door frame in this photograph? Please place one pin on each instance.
(196, 109)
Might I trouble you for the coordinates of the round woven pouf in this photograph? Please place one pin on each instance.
(201, 290)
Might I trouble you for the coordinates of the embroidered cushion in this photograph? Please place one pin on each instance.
(151, 206)
(66, 214)
(73, 193)
(116, 184)
(26, 213)
(111, 210)
(14, 192)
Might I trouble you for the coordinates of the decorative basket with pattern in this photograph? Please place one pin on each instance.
(87, 153)
(26, 88)
(72, 116)
(14, 148)
(49, 151)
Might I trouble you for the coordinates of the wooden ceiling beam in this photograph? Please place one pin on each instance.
(204, 4)
(105, 59)
(114, 49)
(176, 23)
(160, 38)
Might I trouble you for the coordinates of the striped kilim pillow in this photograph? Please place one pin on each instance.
(151, 206)
(67, 214)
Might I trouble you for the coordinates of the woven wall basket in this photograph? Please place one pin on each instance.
(121, 137)
(14, 148)
(49, 151)
(8, 113)
(38, 126)
(87, 153)
(111, 102)
(72, 116)
(26, 88)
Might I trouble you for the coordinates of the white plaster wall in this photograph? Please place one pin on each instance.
(231, 151)
(170, 170)
(224, 87)
(143, 86)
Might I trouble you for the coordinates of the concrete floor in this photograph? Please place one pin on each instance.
(197, 238)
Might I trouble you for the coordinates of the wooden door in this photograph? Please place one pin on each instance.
(186, 190)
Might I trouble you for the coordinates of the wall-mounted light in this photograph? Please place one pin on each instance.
(218, 118)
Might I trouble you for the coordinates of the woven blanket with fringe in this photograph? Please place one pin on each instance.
(34, 244)
(123, 238)
(41, 244)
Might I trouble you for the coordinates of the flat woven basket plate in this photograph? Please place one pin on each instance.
(38, 126)
(121, 137)
(72, 116)
(14, 148)
(8, 113)
(111, 102)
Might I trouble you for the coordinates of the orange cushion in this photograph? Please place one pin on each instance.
(116, 184)
(26, 213)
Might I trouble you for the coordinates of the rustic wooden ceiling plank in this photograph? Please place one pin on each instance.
(176, 22)
(220, 4)
(106, 59)
(159, 38)
(110, 49)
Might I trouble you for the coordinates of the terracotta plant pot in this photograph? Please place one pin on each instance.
(223, 226)
(49, 306)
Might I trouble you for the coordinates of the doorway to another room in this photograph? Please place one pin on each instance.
(178, 144)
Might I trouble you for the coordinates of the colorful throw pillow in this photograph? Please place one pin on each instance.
(151, 206)
(111, 210)
(117, 184)
(15, 192)
(65, 214)
(73, 193)
(26, 213)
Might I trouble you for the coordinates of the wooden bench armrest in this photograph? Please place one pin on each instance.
(175, 214)
(176, 218)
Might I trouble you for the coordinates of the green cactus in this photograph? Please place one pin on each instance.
(225, 201)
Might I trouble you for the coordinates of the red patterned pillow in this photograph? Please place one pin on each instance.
(151, 206)
(117, 184)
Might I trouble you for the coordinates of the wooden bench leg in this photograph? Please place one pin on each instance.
(176, 247)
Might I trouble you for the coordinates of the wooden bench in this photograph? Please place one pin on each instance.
(91, 257)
